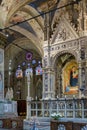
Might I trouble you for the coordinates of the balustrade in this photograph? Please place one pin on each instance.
(69, 108)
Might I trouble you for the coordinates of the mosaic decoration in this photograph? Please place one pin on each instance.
(61, 127)
(70, 81)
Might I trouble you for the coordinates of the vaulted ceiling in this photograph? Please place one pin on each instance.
(20, 31)
(22, 26)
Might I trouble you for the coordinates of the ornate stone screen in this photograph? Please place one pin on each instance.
(61, 127)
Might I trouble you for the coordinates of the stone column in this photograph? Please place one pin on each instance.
(85, 92)
(79, 79)
(82, 66)
(1, 74)
(48, 83)
(28, 75)
(48, 72)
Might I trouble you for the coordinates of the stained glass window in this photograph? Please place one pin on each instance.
(29, 56)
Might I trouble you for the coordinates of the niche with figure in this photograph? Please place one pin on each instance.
(70, 78)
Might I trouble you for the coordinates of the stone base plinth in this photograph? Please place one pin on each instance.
(11, 123)
(8, 108)
(68, 125)
(42, 125)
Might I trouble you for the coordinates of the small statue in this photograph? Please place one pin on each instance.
(9, 94)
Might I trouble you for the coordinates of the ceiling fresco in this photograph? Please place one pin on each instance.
(20, 20)
(15, 23)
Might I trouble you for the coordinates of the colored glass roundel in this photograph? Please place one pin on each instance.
(29, 56)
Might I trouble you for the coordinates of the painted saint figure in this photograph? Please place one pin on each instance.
(73, 77)
(70, 80)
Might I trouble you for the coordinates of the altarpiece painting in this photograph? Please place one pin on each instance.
(70, 78)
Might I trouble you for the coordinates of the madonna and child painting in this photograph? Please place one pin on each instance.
(70, 78)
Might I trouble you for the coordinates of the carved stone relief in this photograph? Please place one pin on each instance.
(63, 32)
(61, 127)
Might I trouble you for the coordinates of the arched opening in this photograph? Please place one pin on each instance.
(19, 84)
(21, 60)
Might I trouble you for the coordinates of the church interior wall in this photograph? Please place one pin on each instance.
(58, 42)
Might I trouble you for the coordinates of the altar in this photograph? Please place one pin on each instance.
(8, 115)
(8, 108)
